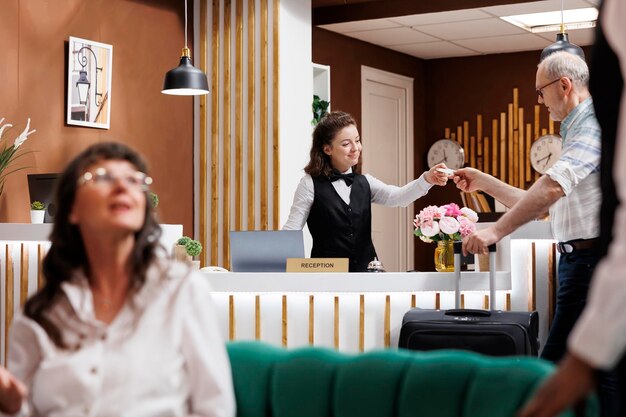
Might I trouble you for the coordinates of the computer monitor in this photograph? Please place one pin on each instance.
(41, 187)
(264, 250)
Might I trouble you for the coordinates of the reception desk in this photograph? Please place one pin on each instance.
(348, 311)
(361, 311)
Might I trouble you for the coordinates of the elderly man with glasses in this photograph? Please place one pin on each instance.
(569, 190)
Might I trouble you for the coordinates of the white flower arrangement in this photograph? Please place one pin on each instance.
(8, 154)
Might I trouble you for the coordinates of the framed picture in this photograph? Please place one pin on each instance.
(89, 70)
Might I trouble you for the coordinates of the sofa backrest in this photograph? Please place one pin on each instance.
(319, 382)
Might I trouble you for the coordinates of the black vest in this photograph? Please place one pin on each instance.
(340, 230)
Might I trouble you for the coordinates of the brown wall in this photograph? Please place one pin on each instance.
(346, 55)
(447, 93)
(147, 36)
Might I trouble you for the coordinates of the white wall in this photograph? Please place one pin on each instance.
(296, 96)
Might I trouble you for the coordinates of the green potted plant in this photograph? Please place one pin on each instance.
(186, 249)
(194, 248)
(37, 212)
(154, 199)
(320, 108)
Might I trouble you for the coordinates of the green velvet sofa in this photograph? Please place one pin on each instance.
(319, 382)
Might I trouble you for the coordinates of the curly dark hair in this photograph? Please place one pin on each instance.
(67, 252)
(324, 133)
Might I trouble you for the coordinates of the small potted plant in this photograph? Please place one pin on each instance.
(180, 249)
(194, 248)
(186, 249)
(37, 212)
(154, 199)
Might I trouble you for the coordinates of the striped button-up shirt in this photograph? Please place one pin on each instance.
(575, 216)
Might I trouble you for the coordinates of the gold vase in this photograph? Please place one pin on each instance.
(444, 256)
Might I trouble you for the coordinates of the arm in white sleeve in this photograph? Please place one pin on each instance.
(210, 377)
(302, 202)
(599, 337)
(24, 354)
(392, 196)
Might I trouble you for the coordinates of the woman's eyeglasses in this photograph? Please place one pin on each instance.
(101, 176)
(540, 89)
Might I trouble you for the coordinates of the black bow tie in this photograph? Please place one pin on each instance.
(348, 178)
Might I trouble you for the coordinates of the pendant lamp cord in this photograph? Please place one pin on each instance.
(186, 22)
(562, 19)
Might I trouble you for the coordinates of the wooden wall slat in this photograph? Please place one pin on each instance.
(466, 141)
(537, 121)
(515, 108)
(387, 324)
(23, 273)
(362, 323)
(284, 322)
(264, 114)
(336, 323)
(257, 317)
(486, 157)
(522, 157)
(251, 116)
(41, 253)
(276, 114)
(231, 318)
(8, 296)
(202, 135)
(227, 134)
(238, 114)
(495, 154)
(514, 161)
(215, 134)
(528, 144)
(311, 320)
(532, 281)
(503, 147)
(510, 144)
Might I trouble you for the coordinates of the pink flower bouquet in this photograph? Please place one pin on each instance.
(449, 222)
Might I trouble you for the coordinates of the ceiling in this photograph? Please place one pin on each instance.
(456, 33)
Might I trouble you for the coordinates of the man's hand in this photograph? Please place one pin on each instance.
(479, 241)
(12, 392)
(469, 179)
(435, 177)
(572, 381)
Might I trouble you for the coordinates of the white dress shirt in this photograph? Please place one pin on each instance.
(386, 195)
(599, 336)
(163, 354)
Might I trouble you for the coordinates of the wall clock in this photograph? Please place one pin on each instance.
(544, 152)
(448, 152)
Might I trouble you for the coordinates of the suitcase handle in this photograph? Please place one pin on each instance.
(468, 312)
(457, 272)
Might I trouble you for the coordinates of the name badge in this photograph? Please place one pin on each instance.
(317, 265)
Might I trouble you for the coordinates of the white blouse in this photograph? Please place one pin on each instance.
(384, 194)
(599, 336)
(163, 355)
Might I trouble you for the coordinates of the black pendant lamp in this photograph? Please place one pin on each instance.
(562, 43)
(185, 79)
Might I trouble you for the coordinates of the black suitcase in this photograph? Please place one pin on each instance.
(490, 332)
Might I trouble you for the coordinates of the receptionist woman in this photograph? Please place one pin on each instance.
(335, 202)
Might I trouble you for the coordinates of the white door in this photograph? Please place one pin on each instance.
(387, 135)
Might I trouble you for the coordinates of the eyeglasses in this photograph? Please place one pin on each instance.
(101, 176)
(540, 89)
